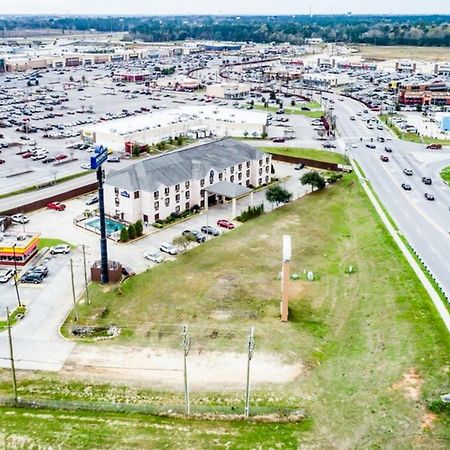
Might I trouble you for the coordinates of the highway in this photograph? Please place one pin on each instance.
(425, 224)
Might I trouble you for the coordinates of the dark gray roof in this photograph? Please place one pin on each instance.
(176, 167)
(228, 189)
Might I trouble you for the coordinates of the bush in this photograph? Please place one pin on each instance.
(124, 235)
(334, 177)
(132, 232)
(139, 227)
(195, 209)
(158, 225)
(251, 213)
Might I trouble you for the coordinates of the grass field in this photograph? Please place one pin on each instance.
(445, 174)
(295, 110)
(411, 137)
(309, 153)
(374, 349)
(383, 53)
(51, 242)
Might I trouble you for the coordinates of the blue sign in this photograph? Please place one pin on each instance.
(100, 156)
(125, 194)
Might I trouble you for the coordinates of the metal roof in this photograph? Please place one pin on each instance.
(228, 189)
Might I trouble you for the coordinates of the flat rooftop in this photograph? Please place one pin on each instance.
(164, 118)
(20, 240)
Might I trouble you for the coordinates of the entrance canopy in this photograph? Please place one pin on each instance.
(227, 189)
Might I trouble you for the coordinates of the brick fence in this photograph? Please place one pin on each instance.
(307, 162)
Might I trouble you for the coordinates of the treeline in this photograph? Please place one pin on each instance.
(381, 30)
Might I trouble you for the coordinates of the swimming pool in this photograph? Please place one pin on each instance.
(111, 225)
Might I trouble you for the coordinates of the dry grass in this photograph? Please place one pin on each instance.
(383, 53)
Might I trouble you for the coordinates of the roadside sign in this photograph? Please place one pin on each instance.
(99, 157)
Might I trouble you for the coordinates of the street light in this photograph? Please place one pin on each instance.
(15, 276)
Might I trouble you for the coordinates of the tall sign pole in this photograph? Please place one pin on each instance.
(186, 346)
(285, 278)
(251, 350)
(100, 156)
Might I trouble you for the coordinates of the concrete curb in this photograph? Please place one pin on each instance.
(436, 299)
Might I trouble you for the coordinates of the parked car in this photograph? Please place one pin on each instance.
(208, 229)
(6, 275)
(408, 172)
(39, 269)
(20, 218)
(2, 161)
(429, 196)
(299, 166)
(57, 206)
(92, 200)
(278, 139)
(328, 145)
(369, 145)
(168, 248)
(225, 224)
(127, 271)
(384, 158)
(406, 187)
(113, 159)
(61, 248)
(155, 257)
(32, 277)
(426, 180)
(60, 157)
(199, 237)
(388, 149)
(434, 147)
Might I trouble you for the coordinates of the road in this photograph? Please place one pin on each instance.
(425, 224)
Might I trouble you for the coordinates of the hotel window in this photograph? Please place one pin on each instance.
(260, 171)
(156, 194)
(248, 164)
(187, 194)
(156, 206)
(202, 182)
(167, 201)
(117, 201)
(259, 181)
(177, 209)
(202, 193)
(267, 169)
(248, 173)
(116, 191)
(177, 188)
(240, 166)
(187, 185)
(211, 177)
(267, 178)
(177, 198)
(260, 162)
(220, 176)
(156, 217)
(239, 176)
(231, 178)
(187, 205)
(267, 160)
(136, 194)
(166, 191)
(231, 169)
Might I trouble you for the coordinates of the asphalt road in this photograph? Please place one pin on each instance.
(424, 223)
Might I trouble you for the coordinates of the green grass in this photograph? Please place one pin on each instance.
(51, 242)
(12, 317)
(57, 181)
(295, 110)
(309, 153)
(411, 137)
(445, 174)
(357, 335)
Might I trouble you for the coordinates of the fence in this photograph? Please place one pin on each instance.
(307, 162)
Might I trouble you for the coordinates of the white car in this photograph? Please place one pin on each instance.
(168, 248)
(6, 275)
(62, 248)
(154, 256)
(20, 218)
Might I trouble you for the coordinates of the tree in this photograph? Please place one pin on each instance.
(132, 232)
(314, 179)
(136, 150)
(292, 102)
(184, 241)
(264, 135)
(179, 140)
(124, 235)
(71, 78)
(277, 194)
(245, 133)
(139, 228)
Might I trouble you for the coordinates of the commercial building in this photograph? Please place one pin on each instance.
(229, 91)
(325, 80)
(405, 66)
(173, 182)
(445, 123)
(190, 121)
(20, 247)
(436, 93)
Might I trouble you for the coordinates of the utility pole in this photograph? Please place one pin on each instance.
(85, 275)
(250, 349)
(186, 346)
(73, 291)
(11, 355)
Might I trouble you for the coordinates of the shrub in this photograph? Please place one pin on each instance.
(124, 235)
(251, 213)
(139, 228)
(132, 232)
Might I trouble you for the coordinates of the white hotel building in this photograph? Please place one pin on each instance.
(174, 182)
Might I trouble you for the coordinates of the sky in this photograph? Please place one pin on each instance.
(255, 7)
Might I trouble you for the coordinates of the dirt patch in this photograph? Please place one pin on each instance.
(206, 370)
(428, 421)
(221, 315)
(411, 385)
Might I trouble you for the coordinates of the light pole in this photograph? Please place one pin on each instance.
(15, 276)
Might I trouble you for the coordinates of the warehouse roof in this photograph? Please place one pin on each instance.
(193, 163)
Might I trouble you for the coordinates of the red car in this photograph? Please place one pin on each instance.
(60, 157)
(384, 158)
(434, 147)
(225, 224)
(27, 155)
(2, 161)
(57, 206)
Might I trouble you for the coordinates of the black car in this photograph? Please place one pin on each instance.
(48, 160)
(38, 269)
(429, 196)
(299, 166)
(406, 187)
(208, 229)
(388, 149)
(199, 237)
(426, 180)
(32, 277)
(127, 271)
(371, 146)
